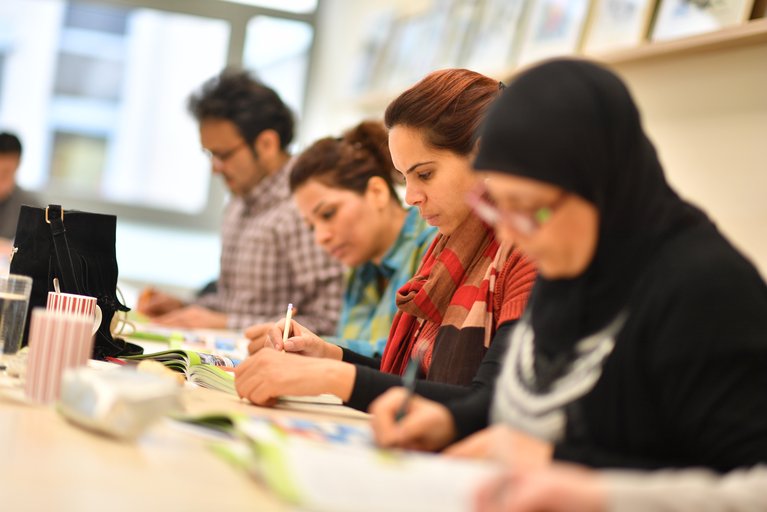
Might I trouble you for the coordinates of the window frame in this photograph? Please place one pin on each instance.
(238, 16)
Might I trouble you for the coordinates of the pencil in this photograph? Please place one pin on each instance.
(408, 381)
(288, 316)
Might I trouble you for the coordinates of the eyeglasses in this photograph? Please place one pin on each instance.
(223, 156)
(525, 223)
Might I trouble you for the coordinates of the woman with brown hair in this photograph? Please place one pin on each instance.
(345, 190)
(469, 285)
(644, 344)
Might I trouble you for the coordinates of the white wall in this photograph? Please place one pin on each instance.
(707, 113)
(341, 29)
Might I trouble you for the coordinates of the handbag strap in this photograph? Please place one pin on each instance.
(54, 216)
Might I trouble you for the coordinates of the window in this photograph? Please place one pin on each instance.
(277, 50)
(301, 6)
(107, 111)
(118, 128)
(2, 71)
(97, 90)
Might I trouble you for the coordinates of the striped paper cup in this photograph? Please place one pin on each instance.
(76, 305)
(57, 341)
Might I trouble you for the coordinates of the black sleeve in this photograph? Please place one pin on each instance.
(370, 383)
(700, 336)
(711, 371)
(596, 457)
(471, 413)
(350, 356)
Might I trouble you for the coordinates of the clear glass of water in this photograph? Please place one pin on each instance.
(14, 300)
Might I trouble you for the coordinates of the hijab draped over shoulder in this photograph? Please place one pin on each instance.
(574, 125)
(656, 355)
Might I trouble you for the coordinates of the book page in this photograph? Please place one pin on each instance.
(212, 377)
(324, 398)
(349, 474)
(333, 479)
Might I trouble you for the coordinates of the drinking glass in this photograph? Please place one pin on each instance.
(14, 300)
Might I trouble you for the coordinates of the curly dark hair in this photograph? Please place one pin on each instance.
(348, 162)
(9, 144)
(238, 97)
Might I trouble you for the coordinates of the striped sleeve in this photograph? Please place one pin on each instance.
(515, 282)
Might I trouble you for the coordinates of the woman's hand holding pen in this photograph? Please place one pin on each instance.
(300, 341)
(268, 374)
(426, 425)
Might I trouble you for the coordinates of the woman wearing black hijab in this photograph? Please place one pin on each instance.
(645, 341)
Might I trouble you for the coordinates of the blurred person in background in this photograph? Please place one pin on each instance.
(268, 255)
(345, 190)
(11, 195)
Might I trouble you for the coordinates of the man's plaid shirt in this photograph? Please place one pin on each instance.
(269, 258)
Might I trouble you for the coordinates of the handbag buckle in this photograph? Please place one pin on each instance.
(46, 215)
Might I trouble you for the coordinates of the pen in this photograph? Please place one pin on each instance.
(408, 380)
(288, 316)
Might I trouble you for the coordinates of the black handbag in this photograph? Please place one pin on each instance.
(78, 248)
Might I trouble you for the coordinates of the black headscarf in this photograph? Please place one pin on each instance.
(573, 124)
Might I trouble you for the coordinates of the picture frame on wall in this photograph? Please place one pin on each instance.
(617, 24)
(368, 70)
(681, 18)
(415, 45)
(498, 36)
(460, 26)
(554, 28)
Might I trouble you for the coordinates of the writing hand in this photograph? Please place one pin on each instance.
(426, 425)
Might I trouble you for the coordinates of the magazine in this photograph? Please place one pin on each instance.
(212, 377)
(183, 360)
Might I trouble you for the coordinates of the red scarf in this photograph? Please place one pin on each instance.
(449, 306)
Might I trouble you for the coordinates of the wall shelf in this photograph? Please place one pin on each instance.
(745, 34)
(752, 32)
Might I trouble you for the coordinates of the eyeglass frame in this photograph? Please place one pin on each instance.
(526, 224)
(225, 155)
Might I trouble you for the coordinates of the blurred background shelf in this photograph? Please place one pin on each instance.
(746, 34)
(750, 33)
(703, 100)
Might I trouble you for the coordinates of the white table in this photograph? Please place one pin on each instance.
(47, 463)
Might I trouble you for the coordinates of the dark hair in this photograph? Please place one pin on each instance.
(448, 105)
(252, 106)
(347, 162)
(9, 144)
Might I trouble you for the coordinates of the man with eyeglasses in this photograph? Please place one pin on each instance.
(268, 256)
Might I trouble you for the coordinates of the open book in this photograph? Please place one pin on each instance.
(325, 465)
(220, 341)
(206, 370)
(183, 360)
(212, 377)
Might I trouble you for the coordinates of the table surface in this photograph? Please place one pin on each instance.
(47, 463)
